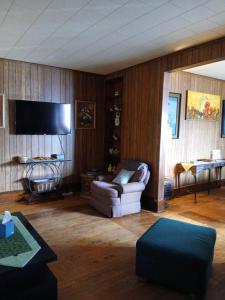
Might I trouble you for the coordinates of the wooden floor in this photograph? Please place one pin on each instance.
(96, 255)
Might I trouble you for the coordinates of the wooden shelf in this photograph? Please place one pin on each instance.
(113, 100)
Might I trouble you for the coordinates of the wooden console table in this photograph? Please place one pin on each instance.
(196, 168)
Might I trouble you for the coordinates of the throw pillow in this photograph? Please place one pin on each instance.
(123, 177)
(139, 175)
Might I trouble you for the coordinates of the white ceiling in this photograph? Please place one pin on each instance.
(214, 70)
(103, 36)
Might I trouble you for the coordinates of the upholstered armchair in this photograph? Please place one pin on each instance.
(115, 200)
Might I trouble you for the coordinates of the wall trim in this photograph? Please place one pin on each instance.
(200, 187)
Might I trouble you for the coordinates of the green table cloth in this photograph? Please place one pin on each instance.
(18, 249)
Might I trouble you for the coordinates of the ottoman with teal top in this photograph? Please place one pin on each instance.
(176, 254)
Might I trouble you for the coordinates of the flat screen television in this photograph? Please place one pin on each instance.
(31, 117)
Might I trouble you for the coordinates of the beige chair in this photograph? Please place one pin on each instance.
(115, 200)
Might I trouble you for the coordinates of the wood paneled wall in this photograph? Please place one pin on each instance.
(144, 111)
(26, 81)
(197, 137)
(141, 115)
(145, 108)
(89, 143)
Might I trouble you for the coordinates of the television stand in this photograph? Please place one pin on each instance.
(43, 186)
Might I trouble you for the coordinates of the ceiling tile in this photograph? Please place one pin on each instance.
(21, 6)
(198, 13)
(18, 22)
(153, 3)
(179, 35)
(216, 5)
(214, 70)
(202, 26)
(203, 37)
(2, 16)
(104, 35)
(73, 5)
(136, 27)
(218, 18)
(5, 4)
(187, 5)
(104, 7)
(18, 53)
(113, 22)
(220, 29)
(7, 37)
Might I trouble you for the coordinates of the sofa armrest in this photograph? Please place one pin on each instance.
(107, 178)
(131, 187)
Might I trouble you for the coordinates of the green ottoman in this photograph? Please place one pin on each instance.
(176, 254)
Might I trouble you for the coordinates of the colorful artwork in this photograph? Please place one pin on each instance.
(174, 113)
(203, 106)
(85, 114)
(223, 121)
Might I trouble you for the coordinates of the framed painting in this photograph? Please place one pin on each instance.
(2, 111)
(174, 113)
(85, 114)
(201, 106)
(223, 121)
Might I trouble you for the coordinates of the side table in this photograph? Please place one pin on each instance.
(47, 183)
(86, 179)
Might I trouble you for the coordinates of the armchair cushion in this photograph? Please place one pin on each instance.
(123, 177)
(107, 178)
(105, 189)
(131, 187)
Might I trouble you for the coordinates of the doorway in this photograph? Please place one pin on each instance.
(191, 136)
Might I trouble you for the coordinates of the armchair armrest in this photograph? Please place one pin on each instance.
(131, 187)
(107, 178)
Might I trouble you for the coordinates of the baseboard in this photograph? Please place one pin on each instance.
(149, 203)
(185, 190)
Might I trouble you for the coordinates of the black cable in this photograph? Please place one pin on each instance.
(61, 145)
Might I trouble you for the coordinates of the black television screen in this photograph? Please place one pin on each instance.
(31, 117)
